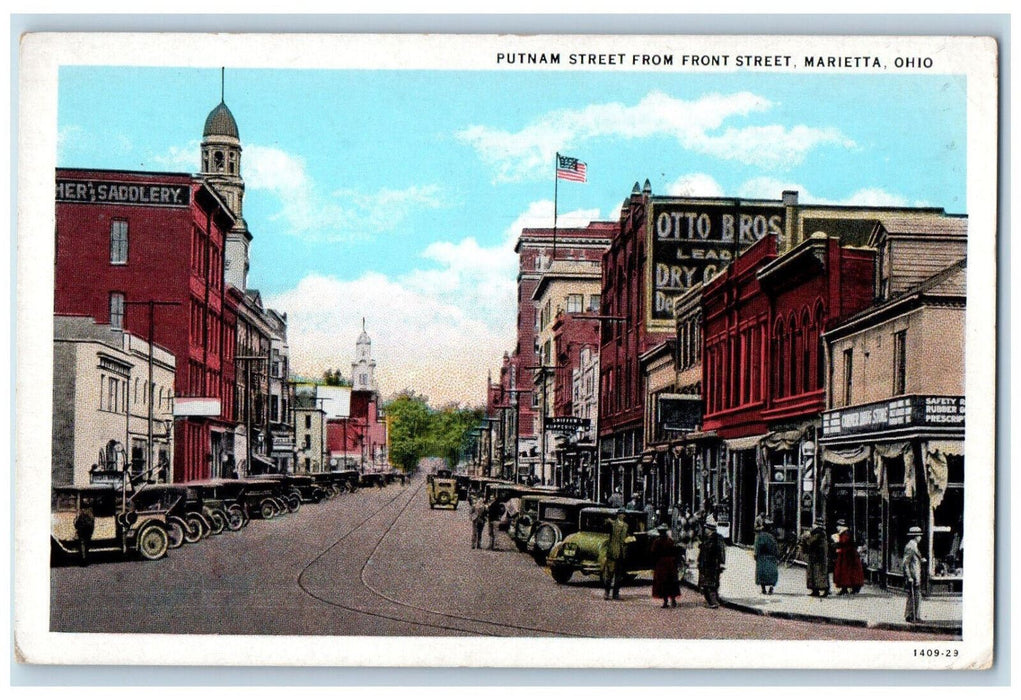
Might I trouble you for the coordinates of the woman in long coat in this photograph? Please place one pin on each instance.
(766, 554)
(847, 569)
(815, 546)
(665, 583)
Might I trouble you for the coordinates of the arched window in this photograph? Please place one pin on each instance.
(218, 161)
(779, 334)
(809, 333)
(793, 333)
(820, 316)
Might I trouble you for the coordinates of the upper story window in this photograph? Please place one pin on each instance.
(118, 242)
(593, 303)
(899, 362)
(117, 310)
(574, 303)
(848, 376)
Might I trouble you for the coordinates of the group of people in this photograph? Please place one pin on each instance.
(484, 513)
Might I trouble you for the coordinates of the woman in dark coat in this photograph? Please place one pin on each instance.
(815, 546)
(665, 584)
(848, 574)
(766, 553)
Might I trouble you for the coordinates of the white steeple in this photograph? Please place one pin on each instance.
(363, 369)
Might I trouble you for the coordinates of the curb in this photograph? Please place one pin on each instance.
(949, 627)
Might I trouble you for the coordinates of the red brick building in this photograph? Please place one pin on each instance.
(126, 238)
(358, 441)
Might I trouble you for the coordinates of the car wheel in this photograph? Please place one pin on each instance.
(546, 538)
(293, 503)
(175, 532)
(198, 526)
(561, 574)
(153, 542)
(268, 509)
(235, 518)
(217, 521)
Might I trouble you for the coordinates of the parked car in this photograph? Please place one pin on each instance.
(170, 499)
(585, 550)
(442, 489)
(221, 501)
(264, 498)
(507, 497)
(556, 518)
(116, 525)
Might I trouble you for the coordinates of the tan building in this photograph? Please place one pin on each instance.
(893, 437)
(309, 431)
(101, 405)
(569, 287)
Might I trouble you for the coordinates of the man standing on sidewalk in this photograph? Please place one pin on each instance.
(712, 555)
(912, 564)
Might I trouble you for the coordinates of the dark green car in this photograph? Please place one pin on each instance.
(585, 550)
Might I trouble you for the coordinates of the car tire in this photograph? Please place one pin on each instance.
(175, 532)
(217, 521)
(199, 525)
(551, 534)
(235, 518)
(268, 509)
(293, 502)
(561, 574)
(152, 542)
(443, 498)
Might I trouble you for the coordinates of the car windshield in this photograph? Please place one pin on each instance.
(596, 521)
(555, 512)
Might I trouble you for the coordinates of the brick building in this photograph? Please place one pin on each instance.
(126, 238)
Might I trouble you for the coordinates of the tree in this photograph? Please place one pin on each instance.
(333, 377)
(409, 425)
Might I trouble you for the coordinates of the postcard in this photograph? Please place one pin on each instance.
(506, 351)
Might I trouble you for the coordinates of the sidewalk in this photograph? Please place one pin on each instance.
(872, 607)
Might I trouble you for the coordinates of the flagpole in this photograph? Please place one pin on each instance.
(556, 164)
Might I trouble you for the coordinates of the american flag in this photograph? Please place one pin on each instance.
(570, 169)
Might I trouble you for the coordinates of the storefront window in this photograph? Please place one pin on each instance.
(948, 523)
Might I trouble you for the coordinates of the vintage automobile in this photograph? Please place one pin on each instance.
(585, 550)
(264, 498)
(555, 518)
(306, 488)
(220, 500)
(507, 497)
(170, 499)
(117, 526)
(463, 485)
(442, 489)
(348, 478)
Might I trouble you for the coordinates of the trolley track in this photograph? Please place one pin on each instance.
(448, 621)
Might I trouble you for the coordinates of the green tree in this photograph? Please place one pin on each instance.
(333, 377)
(410, 426)
(450, 434)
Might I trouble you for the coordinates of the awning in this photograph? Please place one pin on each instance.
(266, 464)
(744, 443)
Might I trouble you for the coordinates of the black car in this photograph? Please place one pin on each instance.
(554, 519)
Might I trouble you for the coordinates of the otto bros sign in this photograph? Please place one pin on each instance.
(692, 241)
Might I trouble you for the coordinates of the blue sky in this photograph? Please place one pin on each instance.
(397, 195)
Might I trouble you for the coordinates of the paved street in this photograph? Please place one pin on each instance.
(380, 562)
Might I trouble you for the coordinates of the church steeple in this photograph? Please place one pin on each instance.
(363, 369)
(221, 168)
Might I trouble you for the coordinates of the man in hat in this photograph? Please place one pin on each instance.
(815, 546)
(613, 565)
(848, 573)
(712, 555)
(912, 563)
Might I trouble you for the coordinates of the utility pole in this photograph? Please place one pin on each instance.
(152, 304)
(248, 359)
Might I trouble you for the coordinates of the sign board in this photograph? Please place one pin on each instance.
(679, 412)
(903, 412)
(691, 241)
(147, 194)
(566, 423)
(334, 400)
(188, 406)
(283, 444)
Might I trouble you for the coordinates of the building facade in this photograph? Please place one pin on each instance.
(143, 252)
(105, 383)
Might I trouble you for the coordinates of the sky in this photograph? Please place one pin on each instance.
(397, 196)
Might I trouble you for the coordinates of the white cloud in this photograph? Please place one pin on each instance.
(438, 329)
(771, 188)
(527, 153)
(180, 159)
(695, 185)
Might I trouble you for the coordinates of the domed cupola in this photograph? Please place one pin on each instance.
(220, 122)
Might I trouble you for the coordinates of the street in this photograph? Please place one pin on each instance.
(381, 562)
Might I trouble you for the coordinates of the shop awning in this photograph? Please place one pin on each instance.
(265, 464)
(744, 443)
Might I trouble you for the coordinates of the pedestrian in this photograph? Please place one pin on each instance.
(613, 565)
(494, 511)
(767, 551)
(651, 516)
(635, 503)
(84, 526)
(912, 565)
(665, 583)
(815, 546)
(478, 521)
(712, 556)
(616, 499)
(848, 573)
